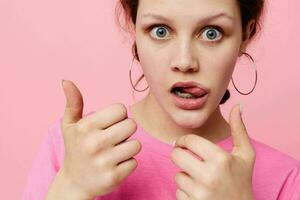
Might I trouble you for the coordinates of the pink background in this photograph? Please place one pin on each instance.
(42, 42)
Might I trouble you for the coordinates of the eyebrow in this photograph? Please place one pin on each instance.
(208, 18)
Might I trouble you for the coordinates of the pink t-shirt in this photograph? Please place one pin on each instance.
(276, 176)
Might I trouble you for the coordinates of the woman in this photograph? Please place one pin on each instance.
(187, 50)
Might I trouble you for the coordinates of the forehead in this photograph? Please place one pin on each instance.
(188, 8)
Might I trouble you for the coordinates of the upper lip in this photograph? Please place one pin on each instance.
(189, 84)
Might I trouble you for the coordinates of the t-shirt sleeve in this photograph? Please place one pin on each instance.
(42, 171)
(296, 191)
(291, 187)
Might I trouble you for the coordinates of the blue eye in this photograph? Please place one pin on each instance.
(160, 31)
(212, 33)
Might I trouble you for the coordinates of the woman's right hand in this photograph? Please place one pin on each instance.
(98, 156)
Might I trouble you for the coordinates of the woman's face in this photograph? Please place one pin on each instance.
(190, 44)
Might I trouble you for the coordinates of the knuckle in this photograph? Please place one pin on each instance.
(102, 162)
(179, 177)
(82, 127)
(112, 178)
(99, 144)
(211, 182)
(206, 194)
(122, 109)
(199, 177)
(197, 194)
(132, 123)
(89, 145)
(223, 158)
(88, 148)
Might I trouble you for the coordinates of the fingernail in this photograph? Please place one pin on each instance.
(173, 143)
(241, 108)
(61, 83)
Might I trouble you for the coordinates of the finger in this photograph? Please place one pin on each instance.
(124, 169)
(241, 142)
(185, 184)
(200, 146)
(120, 132)
(74, 103)
(181, 195)
(124, 151)
(188, 163)
(89, 113)
(114, 135)
(106, 117)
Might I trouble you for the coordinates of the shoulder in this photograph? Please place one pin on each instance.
(272, 156)
(275, 172)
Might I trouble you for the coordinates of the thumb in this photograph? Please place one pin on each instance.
(242, 146)
(74, 103)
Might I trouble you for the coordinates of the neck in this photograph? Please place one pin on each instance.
(149, 114)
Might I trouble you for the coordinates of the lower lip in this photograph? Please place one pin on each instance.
(189, 104)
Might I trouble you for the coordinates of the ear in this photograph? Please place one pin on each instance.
(246, 40)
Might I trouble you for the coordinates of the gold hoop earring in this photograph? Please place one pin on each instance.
(138, 80)
(254, 66)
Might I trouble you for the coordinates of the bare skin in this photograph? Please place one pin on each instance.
(217, 128)
(181, 51)
(95, 163)
(185, 53)
(98, 156)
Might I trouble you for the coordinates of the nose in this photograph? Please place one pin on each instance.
(184, 59)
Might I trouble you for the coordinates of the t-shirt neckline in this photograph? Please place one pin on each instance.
(157, 146)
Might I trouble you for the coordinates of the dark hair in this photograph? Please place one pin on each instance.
(249, 9)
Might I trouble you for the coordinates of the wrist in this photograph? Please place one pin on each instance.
(63, 188)
(247, 196)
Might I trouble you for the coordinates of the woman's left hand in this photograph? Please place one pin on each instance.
(217, 174)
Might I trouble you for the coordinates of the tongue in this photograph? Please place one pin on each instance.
(197, 92)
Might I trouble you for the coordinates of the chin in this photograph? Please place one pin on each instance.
(190, 120)
(190, 125)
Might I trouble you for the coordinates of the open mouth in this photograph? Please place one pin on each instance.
(188, 93)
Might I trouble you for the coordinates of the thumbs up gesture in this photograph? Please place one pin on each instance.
(218, 175)
(97, 156)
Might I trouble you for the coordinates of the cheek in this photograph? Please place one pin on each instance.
(223, 62)
(220, 69)
(153, 66)
(155, 76)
